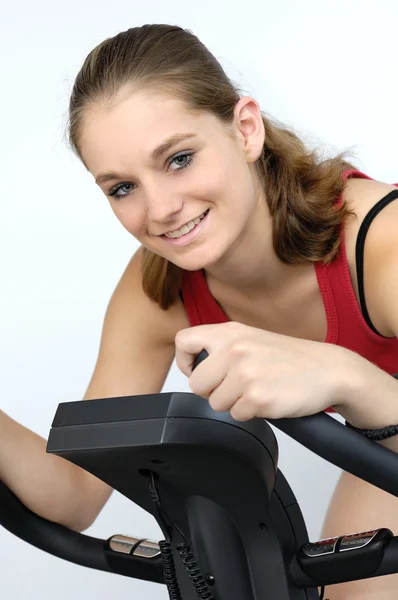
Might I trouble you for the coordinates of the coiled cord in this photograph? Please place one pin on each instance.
(187, 556)
(188, 559)
(196, 577)
(169, 571)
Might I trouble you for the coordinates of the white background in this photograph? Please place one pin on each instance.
(328, 68)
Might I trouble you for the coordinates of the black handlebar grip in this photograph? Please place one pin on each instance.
(201, 356)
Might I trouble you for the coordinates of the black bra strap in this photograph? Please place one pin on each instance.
(359, 250)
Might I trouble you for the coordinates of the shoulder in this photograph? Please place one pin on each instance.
(138, 340)
(362, 194)
(129, 299)
(380, 251)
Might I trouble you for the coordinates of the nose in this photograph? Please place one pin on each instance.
(163, 208)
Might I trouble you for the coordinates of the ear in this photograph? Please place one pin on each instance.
(250, 127)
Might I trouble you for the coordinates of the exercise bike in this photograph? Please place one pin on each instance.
(232, 527)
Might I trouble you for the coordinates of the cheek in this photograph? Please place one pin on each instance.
(218, 182)
(237, 188)
(130, 216)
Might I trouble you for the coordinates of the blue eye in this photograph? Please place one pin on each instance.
(121, 187)
(115, 191)
(188, 156)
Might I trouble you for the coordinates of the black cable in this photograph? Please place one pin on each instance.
(169, 570)
(322, 596)
(188, 559)
(165, 523)
(196, 577)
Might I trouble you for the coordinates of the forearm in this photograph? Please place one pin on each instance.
(47, 484)
(358, 506)
(367, 397)
(370, 402)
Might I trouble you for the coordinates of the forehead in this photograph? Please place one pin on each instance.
(129, 129)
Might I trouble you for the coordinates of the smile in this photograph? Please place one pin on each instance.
(186, 228)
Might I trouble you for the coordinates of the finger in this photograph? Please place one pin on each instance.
(189, 343)
(242, 410)
(209, 374)
(226, 394)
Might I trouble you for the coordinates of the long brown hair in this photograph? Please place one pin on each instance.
(301, 188)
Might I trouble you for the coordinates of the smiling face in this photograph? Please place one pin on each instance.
(159, 194)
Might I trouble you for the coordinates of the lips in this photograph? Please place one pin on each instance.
(200, 217)
(185, 239)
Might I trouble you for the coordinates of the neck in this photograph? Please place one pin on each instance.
(251, 267)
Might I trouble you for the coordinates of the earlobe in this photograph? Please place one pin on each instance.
(251, 127)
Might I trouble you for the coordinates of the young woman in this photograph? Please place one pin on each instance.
(283, 266)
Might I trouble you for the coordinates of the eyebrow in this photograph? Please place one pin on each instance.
(156, 154)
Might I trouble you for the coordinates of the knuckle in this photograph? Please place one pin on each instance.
(242, 413)
(235, 414)
(255, 395)
(215, 403)
(237, 350)
(217, 406)
(196, 386)
(233, 326)
(179, 336)
(246, 376)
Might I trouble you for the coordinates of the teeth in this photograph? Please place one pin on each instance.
(185, 228)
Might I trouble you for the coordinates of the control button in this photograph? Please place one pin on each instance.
(320, 548)
(123, 543)
(147, 549)
(356, 541)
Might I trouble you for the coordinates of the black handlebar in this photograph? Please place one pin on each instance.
(320, 433)
(344, 448)
(50, 537)
(72, 546)
(339, 445)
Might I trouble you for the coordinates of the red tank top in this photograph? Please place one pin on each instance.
(346, 325)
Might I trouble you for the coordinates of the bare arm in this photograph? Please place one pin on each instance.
(136, 352)
(357, 505)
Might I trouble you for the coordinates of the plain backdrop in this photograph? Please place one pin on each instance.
(327, 68)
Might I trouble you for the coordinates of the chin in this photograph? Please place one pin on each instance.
(200, 262)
